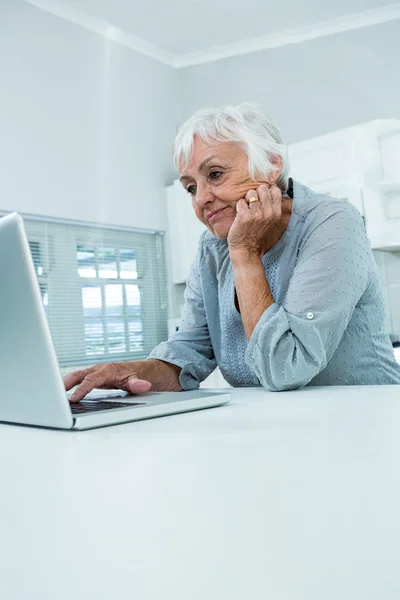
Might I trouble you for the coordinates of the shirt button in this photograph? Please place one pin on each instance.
(310, 315)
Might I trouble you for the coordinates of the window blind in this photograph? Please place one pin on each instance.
(103, 289)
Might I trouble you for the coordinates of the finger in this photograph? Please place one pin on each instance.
(242, 207)
(276, 195)
(276, 201)
(91, 381)
(137, 386)
(264, 193)
(73, 379)
(252, 194)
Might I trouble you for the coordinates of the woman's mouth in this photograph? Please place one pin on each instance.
(214, 215)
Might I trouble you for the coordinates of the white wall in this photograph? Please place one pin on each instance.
(86, 125)
(310, 88)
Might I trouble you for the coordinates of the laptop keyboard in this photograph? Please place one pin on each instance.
(94, 405)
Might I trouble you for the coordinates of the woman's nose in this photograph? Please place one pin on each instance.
(204, 195)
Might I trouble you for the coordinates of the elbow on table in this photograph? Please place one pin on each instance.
(280, 385)
(287, 366)
(288, 379)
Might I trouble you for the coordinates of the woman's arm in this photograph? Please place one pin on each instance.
(257, 227)
(190, 348)
(292, 342)
(252, 288)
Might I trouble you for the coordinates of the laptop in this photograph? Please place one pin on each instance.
(32, 388)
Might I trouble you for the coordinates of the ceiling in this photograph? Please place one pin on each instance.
(182, 27)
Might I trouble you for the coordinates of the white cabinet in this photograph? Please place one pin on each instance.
(184, 230)
(389, 143)
(362, 165)
(382, 208)
(330, 164)
(382, 195)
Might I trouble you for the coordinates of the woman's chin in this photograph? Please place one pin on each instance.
(221, 230)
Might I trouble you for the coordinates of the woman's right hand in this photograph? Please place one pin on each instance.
(127, 376)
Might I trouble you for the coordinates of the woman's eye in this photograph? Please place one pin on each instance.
(191, 189)
(215, 174)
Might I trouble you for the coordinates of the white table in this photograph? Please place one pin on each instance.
(283, 496)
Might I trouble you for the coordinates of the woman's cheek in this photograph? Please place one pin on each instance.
(199, 213)
(245, 186)
(237, 192)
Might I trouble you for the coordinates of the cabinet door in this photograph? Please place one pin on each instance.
(321, 158)
(184, 230)
(338, 189)
(390, 156)
(176, 240)
(329, 165)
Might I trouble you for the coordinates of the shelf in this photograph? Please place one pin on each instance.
(388, 186)
(384, 246)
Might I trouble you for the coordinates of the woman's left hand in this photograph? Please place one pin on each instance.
(254, 229)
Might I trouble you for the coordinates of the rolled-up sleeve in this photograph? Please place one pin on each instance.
(190, 348)
(294, 341)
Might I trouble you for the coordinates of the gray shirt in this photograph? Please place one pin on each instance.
(326, 327)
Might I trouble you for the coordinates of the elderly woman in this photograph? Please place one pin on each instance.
(284, 291)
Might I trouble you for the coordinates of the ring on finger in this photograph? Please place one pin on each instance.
(253, 199)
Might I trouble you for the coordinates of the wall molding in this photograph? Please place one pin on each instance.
(293, 36)
(82, 19)
(286, 37)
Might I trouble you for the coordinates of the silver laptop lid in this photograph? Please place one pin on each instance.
(32, 390)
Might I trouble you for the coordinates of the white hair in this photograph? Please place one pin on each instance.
(246, 124)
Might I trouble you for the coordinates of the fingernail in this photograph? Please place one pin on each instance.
(73, 397)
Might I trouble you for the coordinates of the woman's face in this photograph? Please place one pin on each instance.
(216, 178)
